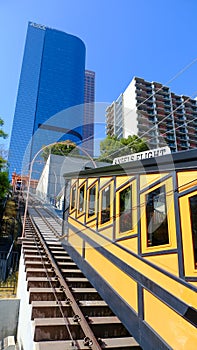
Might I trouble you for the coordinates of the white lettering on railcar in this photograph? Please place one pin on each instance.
(152, 153)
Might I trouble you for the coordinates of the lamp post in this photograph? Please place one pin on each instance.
(30, 172)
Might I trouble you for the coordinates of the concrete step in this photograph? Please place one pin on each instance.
(46, 294)
(109, 343)
(32, 272)
(37, 264)
(41, 282)
(44, 309)
(46, 329)
(72, 273)
(86, 294)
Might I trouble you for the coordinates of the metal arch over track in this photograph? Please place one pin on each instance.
(67, 311)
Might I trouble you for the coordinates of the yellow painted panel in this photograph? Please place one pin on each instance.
(73, 181)
(104, 180)
(194, 284)
(92, 225)
(107, 232)
(76, 242)
(186, 180)
(176, 331)
(168, 262)
(118, 280)
(81, 181)
(186, 230)
(149, 179)
(91, 180)
(171, 219)
(81, 218)
(120, 180)
(130, 244)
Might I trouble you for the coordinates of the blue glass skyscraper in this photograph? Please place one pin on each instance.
(52, 80)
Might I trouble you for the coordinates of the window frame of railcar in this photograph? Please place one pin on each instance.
(101, 224)
(186, 231)
(73, 199)
(157, 233)
(170, 218)
(81, 210)
(133, 229)
(92, 217)
(194, 228)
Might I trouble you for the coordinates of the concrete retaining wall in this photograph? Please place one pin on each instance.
(9, 310)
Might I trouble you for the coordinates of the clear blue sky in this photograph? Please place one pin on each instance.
(153, 39)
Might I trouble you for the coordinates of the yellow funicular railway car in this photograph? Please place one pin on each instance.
(132, 230)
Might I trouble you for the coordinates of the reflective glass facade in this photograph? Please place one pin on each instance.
(52, 80)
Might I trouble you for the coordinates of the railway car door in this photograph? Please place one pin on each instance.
(188, 217)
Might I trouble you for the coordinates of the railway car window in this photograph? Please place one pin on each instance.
(156, 217)
(125, 205)
(73, 197)
(81, 199)
(105, 205)
(193, 211)
(92, 201)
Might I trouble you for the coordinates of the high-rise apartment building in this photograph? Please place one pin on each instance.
(114, 118)
(150, 110)
(52, 80)
(89, 98)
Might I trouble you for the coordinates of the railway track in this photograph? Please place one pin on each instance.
(66, 311)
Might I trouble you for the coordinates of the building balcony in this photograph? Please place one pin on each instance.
(181, 131)
(179, 112)
(170, 131)
(171, 145)
(143, 128)
(162, 127)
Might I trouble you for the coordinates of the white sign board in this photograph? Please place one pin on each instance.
(151, 153)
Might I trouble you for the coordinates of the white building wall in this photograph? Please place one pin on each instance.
(42, 187)
(25, 325)
(129, 110)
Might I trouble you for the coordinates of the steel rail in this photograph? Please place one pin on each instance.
(90, 339)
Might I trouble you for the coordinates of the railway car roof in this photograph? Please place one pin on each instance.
(183, 160)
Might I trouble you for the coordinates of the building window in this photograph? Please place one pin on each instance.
(105, 204)
(156, 218)
(73, 198)
(193, 213)
(125, 207)
(92, 201)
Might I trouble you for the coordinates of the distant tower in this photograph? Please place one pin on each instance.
(89, 99)
(52, 79)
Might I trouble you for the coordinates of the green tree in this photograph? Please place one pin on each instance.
(111, 147)
(2, 133)
(135, 143)
(61, 149)
(4, 184)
